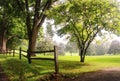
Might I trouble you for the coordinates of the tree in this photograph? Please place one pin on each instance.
(34, 14)
(60, 49)
(84, 19)
(102, 46)
(114, 47)
(10, 25)
(14, 43)
(45, 45)
(91, 49)
(71, 47)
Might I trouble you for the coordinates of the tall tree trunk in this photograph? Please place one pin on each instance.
(0, 42)
(3, 42)
(32, 43)
(3, 38)
(3, 50)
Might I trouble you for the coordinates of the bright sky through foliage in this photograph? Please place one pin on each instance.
(63, 40)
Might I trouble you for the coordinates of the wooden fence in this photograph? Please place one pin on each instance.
(12, 52)
(21, 53)
(55, 59)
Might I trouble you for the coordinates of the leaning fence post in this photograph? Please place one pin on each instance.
(56, 60)
(20, 53)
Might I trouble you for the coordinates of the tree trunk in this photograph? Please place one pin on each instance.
(83, 58)
(3, 47)
(3, 38)
(32, 44)
(3, 42)
(31, 48)
(82, 55)
(0, 43)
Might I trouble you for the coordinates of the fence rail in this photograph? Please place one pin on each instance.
(43, 59)
(12, 52)
(55, 59)
(43, 51)
(22, 53)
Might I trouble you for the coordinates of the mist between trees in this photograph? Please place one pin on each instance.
(96, 48)
(103, 44)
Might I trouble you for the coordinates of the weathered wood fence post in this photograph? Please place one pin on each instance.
(29, 56)
(56, 60)
(20, 53)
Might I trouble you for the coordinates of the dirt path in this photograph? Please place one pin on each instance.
(109, 74)
(3, 76)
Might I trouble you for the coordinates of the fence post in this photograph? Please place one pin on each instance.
(13, 52)
(56, 61)
(28, 56)
(20, 53)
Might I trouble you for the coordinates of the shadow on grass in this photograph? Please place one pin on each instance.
(19, 70)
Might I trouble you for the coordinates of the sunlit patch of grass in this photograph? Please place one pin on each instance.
(71, 64)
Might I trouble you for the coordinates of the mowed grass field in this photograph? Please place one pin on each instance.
(68, 65)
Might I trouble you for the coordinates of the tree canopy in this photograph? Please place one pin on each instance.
(84, 19)
(10, 25)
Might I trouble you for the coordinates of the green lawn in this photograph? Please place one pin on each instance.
(69, 65)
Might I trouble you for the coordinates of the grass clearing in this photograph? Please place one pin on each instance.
(69, 65)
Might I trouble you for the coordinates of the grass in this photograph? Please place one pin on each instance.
(92, 63)
(69, 65)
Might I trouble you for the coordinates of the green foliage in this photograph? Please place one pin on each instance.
(24, 45)
(16, 27)
(87, 16)
(13, 27)
(14, 43)
(10, 7)
(15, 32)
(84, 19)
(40, 34)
